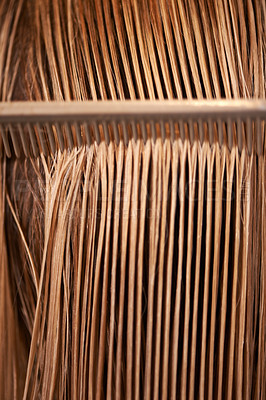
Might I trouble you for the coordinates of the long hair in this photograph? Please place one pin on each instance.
(134, 270)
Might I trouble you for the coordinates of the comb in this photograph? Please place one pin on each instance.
(31, 128)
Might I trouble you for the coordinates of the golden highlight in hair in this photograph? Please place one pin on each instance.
(134, 270)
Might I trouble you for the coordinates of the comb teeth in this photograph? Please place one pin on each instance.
(33, 139)
(42, 130)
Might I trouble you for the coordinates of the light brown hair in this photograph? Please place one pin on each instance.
(133, 270)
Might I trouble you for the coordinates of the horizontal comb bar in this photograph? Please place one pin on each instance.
(128, 109)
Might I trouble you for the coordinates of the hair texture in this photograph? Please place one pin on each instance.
(134, 270)
(147, 49)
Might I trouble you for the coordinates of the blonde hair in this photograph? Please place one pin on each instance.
(133, 270)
